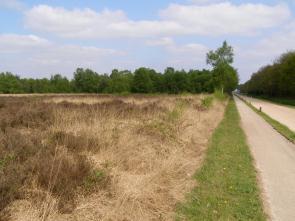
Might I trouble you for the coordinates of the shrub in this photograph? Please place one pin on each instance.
(219, 95)
(206, 102)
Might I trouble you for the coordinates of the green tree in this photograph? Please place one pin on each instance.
(86, 81)
(220, 60)
(169, 80)
(275, 80)
(120, 81)
(10, 84)
(142, 82)
(60, 84)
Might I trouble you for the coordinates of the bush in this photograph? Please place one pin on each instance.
(219, 95)
(206, 102)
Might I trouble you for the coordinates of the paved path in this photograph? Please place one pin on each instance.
(275, 160)
(283, 114)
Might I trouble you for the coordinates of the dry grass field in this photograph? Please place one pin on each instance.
(101, 157)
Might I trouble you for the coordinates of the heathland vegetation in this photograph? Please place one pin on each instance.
(143, 80)
(274, 81)
(101, 157)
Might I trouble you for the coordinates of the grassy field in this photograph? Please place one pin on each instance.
(227, 187)
(101, 157)
(281, 128)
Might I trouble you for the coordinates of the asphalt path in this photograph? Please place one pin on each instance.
(274, 158)
(281, 113)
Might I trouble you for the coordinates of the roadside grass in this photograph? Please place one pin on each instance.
(281, 128)
(227, 186)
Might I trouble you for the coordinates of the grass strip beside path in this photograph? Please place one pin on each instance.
(281, 128)
(227, 186)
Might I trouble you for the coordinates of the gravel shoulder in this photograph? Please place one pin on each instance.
(275, 161)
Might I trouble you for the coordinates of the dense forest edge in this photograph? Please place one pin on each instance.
(274, 81)
(143, 80)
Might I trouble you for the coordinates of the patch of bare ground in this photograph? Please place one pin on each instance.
(100, 157)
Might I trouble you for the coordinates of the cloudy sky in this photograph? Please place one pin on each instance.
(40, 38)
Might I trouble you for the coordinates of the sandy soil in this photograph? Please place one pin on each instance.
(275, 161)
(283, 114)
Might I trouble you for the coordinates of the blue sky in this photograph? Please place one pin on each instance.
(40, 38)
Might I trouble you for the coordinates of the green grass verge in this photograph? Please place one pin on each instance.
(281, 128)
(227, 186)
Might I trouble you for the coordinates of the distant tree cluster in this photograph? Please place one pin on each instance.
(143, 80)
(276, 80)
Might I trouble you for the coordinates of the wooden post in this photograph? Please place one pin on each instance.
(260, 109)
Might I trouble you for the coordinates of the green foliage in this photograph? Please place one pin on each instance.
(60, 84)
(174, 115)
(219, 95)
(166, 127)
(142, 82)
(225, 76)
(227, 187)
(86, 81)
(276, 80)
(206, 102)
(94, 178)
(10, 83)
(223, 55)
(120, 82)
(5, 160)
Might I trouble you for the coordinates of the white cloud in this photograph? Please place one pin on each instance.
(12, 4)
(249, 58)
(204, 2)
(226, 18)
(214, 19)
(165, 41)
(180, 56)
(30, 54)
(187, 56)
(190, 50)
(11, 43)
(87, 23)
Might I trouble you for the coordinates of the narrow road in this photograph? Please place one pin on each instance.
(275, 161)
(283, 114)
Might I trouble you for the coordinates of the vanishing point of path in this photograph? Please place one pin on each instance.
(281, 113)
(275, 160)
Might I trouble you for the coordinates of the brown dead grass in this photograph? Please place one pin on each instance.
(100, 157)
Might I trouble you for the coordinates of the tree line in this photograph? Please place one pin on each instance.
(143, 80)
(275, 80)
